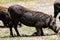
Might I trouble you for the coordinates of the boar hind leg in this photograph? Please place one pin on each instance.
(15, 27)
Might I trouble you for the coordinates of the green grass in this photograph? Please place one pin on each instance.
(25, 30)
(5, 34)
(9, 1)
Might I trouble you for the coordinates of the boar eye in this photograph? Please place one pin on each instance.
(54, 23)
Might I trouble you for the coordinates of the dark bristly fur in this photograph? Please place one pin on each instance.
(56, 9)
(35, 19)
(5, 16)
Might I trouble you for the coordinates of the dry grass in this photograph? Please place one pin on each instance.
(9, 1)
(5, 33)
(24, 30)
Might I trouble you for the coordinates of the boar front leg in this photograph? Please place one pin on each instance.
(39, 29)
(38, 33)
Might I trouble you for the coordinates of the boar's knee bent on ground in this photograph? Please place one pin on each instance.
(35, 19)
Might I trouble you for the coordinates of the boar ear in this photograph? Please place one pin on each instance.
(51, 16)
